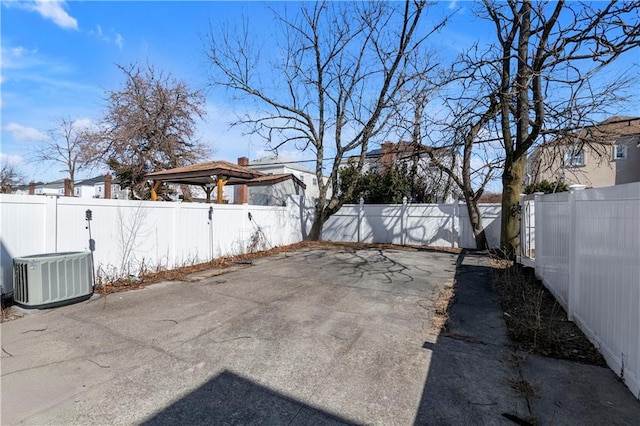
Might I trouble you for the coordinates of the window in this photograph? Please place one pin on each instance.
(315, 182)
(574, 157)
(619, 152)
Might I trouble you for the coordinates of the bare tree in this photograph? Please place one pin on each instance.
(150, 125)
(466, 111)
(70, 146)
(478, 164)
(339, 69)
(546, 60)
(10, 177)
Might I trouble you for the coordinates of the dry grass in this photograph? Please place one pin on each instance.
(442, 305)
(522, 387)
(536, 322)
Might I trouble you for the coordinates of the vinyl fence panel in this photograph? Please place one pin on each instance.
(440, 225)
(136, 236)
(588, 255)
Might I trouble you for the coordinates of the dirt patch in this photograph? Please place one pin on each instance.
(536, 323)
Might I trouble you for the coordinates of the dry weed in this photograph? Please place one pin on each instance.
(535, 321)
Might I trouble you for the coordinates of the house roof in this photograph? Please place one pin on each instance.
(56, 184)
(206, 173)
(402, 149)
(273, 179)
(275, 161)
(605, 132)
(91, 181)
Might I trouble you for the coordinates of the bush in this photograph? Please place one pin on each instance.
(546, 187)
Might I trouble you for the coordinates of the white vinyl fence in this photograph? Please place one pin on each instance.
(587, 252)
(443, 225)
(132, 235)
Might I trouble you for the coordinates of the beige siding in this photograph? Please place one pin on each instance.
(600, 169)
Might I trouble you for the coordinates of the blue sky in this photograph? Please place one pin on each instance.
(58, 59)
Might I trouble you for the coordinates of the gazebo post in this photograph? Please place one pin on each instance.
(154, 189)
(221, 181)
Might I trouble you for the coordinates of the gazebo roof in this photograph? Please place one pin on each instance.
(206, 173)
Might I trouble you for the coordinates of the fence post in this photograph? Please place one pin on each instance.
(360, 217)
(574, 281)
(403, 221)
(176, 216)
(455, 217)
(51, 224)
(537, 225)
(523, 227)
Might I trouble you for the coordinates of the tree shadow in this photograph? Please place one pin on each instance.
(229, 398)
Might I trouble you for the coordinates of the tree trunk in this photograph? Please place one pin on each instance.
(316, 228)
(510, 223)
(475, 217)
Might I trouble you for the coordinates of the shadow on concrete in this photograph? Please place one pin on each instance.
(231, 399)
(470, 367)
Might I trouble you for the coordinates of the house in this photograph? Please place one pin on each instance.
(392, 154)
(86, 188)
(55, 187)
(276, 165)
(605, 154)
(96, 187)
(273, 190)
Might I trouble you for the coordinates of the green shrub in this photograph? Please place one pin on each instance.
(546, 187)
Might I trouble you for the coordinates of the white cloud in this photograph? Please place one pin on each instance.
(84, 124)
(52, 10)
(119, 40)
(17, 57)
(25, 134)
(11, 159)
(110, 37)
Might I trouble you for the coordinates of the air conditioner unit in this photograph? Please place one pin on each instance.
(52, 279)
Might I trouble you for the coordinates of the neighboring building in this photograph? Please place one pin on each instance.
(117, 192)
(51, 188)
(87, 188)
(606, 154)
(396, 154)
(273, 190)
(276, 165)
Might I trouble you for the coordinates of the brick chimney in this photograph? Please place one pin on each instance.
(388, 156)
(242, 192)
(32, 188)
(107, 186)
(68, 188)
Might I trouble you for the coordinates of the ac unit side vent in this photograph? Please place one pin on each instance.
(52, 279)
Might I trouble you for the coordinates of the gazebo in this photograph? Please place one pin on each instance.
(215, 174)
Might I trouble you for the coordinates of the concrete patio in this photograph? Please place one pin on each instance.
(307, 337)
